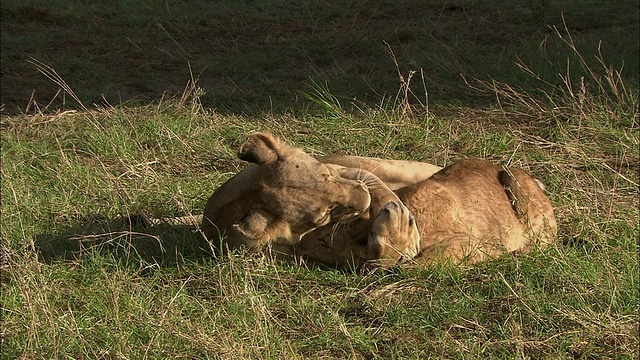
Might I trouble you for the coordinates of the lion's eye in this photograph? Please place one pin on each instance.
(323, 214)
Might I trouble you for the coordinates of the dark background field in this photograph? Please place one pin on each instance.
(263, 55)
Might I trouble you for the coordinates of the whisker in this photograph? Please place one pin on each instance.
(334, 229)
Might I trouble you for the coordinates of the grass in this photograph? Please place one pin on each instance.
(82, 279)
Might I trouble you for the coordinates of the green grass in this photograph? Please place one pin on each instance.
(79, 280)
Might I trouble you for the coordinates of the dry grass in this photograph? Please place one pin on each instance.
(79, 280)
(82, 277)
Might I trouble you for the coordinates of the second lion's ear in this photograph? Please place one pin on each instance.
(260, 148)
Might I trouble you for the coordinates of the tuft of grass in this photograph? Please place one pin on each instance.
(581, 91)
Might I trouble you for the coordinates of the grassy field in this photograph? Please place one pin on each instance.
(156, 100)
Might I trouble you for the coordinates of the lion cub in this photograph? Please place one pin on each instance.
(468, 212)
(474, 210)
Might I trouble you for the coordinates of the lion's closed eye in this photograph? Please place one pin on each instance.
(324, 215)
(327, 176)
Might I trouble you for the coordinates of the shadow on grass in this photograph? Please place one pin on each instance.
(133, 240)
(127, 240)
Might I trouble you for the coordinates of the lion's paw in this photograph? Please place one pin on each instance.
(394, 235)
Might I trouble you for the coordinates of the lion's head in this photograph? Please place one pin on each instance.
(283, 196)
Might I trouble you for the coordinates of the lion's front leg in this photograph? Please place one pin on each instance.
(393, 235)
(380, 193)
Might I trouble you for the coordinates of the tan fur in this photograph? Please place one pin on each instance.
(280, 198)
(474, 210)
(396, 174)
(467, 212)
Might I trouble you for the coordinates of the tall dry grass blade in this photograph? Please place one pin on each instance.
(192, 92)
(578, 91)
(53, 75)
(405, 94)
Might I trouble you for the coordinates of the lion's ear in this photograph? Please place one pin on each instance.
(261, 148)
(254, 225)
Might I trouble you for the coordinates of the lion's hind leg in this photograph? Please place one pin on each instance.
(530, 204)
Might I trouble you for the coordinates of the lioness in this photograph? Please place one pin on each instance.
(341, 210)
(285, 195)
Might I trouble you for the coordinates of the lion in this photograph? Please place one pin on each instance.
(286, 194)
(347, 211)
(276, 200)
